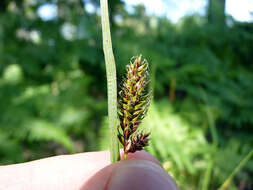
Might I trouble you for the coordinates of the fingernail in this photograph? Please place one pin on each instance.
(140, 174)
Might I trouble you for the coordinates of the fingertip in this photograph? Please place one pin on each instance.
(140, 174)
(131, 174)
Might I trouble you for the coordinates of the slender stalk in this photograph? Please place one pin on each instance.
(125, 156)
(208, 174)
(111, 82)
(226, 184)
(215, 142)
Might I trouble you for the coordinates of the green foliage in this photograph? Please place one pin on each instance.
(53, 87)
(44, 131)
(180, 146)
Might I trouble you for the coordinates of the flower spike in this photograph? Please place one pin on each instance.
(133, 105)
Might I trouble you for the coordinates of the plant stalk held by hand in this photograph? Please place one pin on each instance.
(111, 81)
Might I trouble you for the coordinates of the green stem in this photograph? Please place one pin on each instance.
(125, 156)
(215, 142)
(208, 174)
(111, 82)
(226, 184)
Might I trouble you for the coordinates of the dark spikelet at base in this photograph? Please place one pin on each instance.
(133, 105)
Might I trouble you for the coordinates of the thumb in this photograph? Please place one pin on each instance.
(131, 175)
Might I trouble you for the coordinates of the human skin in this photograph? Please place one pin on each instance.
(87, 171)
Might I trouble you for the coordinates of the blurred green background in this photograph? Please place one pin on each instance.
(53, 85)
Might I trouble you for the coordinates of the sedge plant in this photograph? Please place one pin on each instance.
(134, 100)
(133, 105)
(111, 81)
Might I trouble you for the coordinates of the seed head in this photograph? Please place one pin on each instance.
(133, 105)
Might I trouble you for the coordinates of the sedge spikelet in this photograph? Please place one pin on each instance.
(133, 105)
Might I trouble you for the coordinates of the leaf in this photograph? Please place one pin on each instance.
(41, 130)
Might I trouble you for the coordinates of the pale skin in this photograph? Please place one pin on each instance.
(87, 171)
